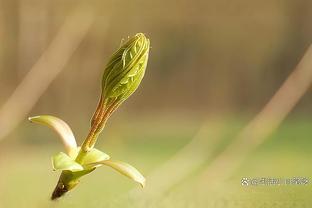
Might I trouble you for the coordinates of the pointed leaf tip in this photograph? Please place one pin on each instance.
(125, 169)
(60, 127)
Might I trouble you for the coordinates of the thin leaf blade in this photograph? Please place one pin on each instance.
(60, 127)
(125, 169)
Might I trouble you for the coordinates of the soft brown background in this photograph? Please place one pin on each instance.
(206, 55)
(218, 61)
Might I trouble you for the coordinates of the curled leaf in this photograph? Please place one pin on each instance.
(62, 161)
(60, 127)
(94, 155)
(123, 168)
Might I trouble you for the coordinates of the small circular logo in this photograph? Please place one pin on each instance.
(245, 181)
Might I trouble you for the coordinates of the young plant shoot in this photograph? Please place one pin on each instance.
(121, 78)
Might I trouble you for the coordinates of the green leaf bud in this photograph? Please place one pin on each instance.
(122, 76)
(125, 69)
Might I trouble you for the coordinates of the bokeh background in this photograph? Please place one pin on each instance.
(213, 66)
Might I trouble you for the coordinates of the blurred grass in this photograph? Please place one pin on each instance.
(27, 180)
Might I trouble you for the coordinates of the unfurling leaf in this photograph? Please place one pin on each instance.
(61, 128)
(121, 78)
(62, 161)
(126, 68)
(123, 168)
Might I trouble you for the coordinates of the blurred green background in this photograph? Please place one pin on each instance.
(213, 64)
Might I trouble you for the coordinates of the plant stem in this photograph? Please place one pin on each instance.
(98, 122)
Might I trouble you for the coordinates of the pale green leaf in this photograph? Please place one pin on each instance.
(62, 161)
(94, 156)
(125, 169)
(61, 128)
